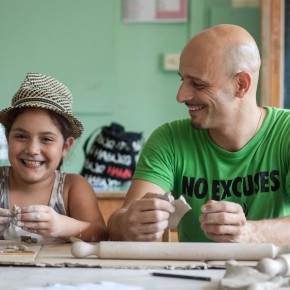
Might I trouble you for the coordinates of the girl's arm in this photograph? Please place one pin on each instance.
(84, 219)
(87, 222)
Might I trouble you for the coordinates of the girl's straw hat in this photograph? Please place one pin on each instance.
(44, 92)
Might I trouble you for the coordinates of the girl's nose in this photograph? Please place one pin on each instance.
(33, 147)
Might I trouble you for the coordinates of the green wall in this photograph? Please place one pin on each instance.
(113, 69)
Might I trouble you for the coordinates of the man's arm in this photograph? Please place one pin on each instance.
(226, 222)
(143, 217)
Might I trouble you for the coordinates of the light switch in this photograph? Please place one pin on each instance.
(171, 61)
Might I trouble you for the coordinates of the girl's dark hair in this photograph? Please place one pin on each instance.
(60, 122)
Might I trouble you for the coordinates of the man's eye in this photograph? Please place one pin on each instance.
(198, 86)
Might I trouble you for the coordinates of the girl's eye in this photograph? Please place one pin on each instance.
(47, 139)
(20, 137)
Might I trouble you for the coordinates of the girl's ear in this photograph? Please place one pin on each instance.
(67, 145)
(243, 80)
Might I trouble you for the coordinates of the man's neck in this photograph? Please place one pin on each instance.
(237, 135)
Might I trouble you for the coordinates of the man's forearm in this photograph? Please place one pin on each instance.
(115, 227)
(274, 231)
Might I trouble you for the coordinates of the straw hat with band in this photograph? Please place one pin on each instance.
(44, 92)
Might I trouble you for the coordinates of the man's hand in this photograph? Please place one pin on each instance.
(146, 219)
(224, 222)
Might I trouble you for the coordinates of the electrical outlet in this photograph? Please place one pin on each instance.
(171, 61)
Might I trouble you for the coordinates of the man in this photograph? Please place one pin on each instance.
(230, 160)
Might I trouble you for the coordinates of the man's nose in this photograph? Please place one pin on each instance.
(183, 94)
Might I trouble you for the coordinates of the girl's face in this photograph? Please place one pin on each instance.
(36, 145)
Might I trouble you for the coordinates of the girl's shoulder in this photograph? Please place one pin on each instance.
(74, 180)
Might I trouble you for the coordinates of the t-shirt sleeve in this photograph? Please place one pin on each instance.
(156, 161)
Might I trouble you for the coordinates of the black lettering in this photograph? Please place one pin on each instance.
(276, 182)
(264, 182)
(248, 190)
(187, 186)
(235, 186)
(257, 182)
(215, 190)
(226, 186)
(200, 183)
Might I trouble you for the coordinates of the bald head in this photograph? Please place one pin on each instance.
(225, 47)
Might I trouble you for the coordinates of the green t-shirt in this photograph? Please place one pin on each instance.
(187, 162)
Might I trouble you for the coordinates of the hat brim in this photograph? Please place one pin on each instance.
(75, 124)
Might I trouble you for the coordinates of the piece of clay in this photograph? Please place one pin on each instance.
(272, 267)
(181, 208)
(15, 249)
(15, 210)
(246, 278)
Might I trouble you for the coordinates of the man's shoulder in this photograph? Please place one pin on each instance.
(278, 114)
(176, 125)
(278, 111)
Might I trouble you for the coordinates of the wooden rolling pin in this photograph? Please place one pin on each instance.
(177, 251)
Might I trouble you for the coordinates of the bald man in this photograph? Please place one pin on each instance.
(230, 159)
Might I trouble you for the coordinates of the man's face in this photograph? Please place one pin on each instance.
(206, 90)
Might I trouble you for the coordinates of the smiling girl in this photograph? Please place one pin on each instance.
(51, 205)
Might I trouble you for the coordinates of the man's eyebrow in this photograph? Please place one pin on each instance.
(193, 78)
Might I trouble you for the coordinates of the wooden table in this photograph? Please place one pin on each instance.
(110, 201)
(53, 263)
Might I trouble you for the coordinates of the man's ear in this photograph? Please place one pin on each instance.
(243, 83)
(67, 145)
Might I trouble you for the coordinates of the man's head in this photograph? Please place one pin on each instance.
(219, 68)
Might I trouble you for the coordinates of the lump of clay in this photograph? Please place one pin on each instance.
(15, 210)
(181, 208)
(246, 278)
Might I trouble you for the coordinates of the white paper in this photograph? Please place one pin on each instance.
(105, 285)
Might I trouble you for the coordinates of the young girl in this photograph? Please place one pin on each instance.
(37, 199)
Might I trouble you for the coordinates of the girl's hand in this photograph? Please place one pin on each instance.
(40, 219)
(5, 218)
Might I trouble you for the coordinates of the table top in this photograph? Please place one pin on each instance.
(15, 278)
(49, 264)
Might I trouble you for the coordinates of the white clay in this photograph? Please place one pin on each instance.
(279, 266)
(181, 208)
(246, 278)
